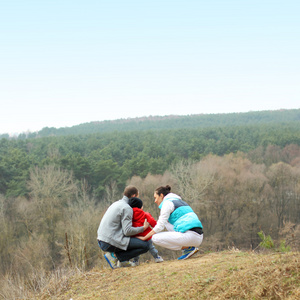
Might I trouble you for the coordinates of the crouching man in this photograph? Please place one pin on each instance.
(115, 231)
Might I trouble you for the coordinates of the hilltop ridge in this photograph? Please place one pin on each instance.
(224, 275)
(168, 122)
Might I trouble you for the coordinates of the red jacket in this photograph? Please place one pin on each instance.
(138, 220)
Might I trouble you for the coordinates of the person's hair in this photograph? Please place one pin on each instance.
(165, 190)
(135, 202)
(130, 190)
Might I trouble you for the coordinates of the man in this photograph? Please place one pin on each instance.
(115, 231)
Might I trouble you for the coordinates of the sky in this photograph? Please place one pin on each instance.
(68, 62)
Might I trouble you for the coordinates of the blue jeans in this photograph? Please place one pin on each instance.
(152, 249)
(135, 248)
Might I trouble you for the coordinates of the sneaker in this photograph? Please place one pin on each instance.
(186, 253)
(134, 262)
(111, 259)
(158, 259)
(124, 264)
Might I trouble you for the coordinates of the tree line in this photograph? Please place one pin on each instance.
(167, 122)
(102, 158)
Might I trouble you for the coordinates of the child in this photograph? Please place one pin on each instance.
(138, 219)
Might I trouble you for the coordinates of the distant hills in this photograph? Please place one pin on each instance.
(171, 122)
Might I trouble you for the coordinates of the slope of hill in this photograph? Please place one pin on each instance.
(173, 122)
(223, 275)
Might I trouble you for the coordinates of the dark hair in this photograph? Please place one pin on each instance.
(135, 202)
(130, 190)
(165, 190)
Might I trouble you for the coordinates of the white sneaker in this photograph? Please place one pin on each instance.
(158, 259)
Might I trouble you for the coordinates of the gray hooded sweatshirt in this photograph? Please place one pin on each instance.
(116, 225)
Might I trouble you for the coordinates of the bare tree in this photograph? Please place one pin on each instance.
(51, 191)
(192, 179)
(283, 183)
(82, 218)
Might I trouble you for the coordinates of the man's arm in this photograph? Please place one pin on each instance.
(126, 221)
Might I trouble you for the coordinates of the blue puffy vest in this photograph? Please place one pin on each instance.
(183, 217)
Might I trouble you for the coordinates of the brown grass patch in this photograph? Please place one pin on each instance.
(223, 275)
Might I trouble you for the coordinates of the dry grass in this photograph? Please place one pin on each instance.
(224, 275)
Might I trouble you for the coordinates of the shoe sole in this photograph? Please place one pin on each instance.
(190, 254)
(108, 261)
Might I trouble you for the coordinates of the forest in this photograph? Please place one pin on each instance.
(240, 179)
(117, 156)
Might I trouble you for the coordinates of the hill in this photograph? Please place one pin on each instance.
(172, 122)
(223, 275)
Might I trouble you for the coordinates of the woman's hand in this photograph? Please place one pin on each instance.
(145, 238)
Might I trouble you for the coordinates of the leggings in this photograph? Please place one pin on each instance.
(174, 240)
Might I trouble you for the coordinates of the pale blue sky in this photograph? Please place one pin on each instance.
(65, 62)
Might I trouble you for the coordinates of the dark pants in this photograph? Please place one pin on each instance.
(135, 248)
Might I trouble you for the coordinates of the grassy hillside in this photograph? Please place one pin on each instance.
(223, 275)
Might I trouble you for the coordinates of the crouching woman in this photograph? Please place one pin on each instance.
(184, 229)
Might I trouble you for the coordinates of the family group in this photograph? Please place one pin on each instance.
(126, 231)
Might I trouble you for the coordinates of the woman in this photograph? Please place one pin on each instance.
(184, 228)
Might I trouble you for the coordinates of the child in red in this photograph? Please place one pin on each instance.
(138, 220)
